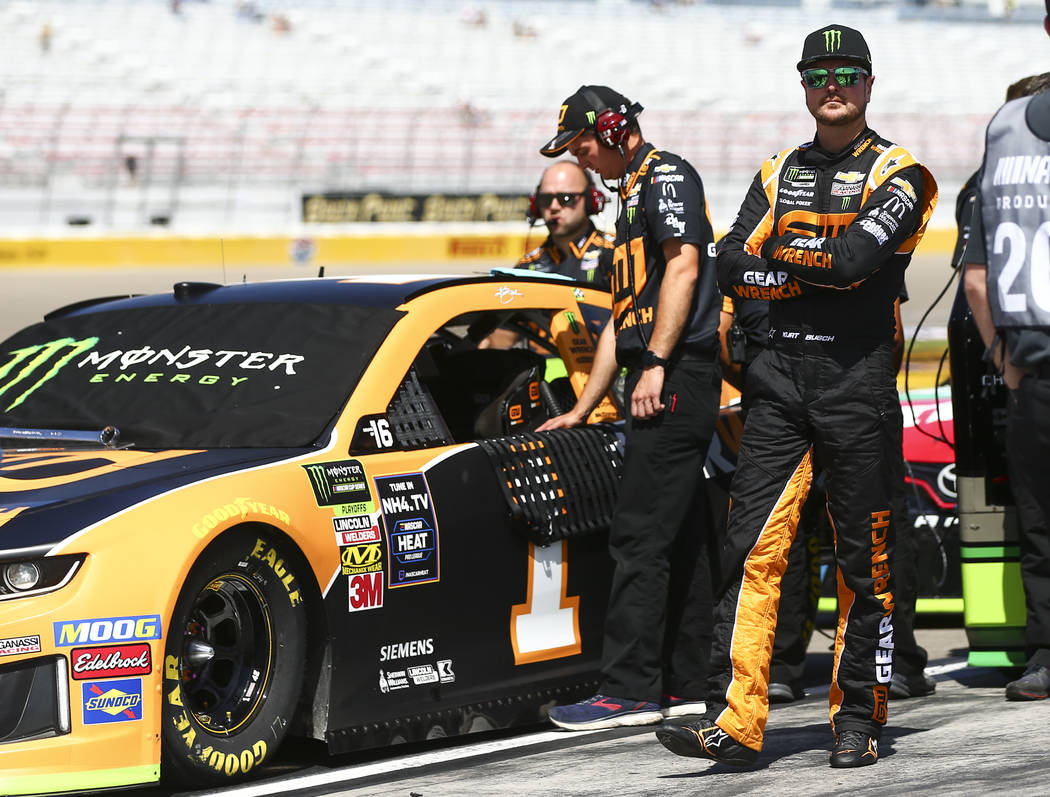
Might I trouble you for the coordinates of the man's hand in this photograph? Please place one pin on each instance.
(1012, 375)
(564, 421)
(645, 400)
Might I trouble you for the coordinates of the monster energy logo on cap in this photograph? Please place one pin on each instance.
(591, 115)
(25, 370)
(832, 40)
(843, 41)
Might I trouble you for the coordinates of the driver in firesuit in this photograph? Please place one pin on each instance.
(824, 234)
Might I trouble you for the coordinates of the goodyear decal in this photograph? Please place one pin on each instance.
(112, 701)
(411, 528)
(106, 629)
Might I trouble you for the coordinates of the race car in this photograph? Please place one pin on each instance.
(231, 514)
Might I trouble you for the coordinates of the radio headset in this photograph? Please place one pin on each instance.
(594, 198)
(612, 129)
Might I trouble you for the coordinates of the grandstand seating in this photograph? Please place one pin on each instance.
(218, 111)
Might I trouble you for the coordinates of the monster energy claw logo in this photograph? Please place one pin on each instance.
(832, 40)
(590, 117)
(630, 215)
(32, 360)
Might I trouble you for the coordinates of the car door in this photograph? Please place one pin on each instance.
(446, 616)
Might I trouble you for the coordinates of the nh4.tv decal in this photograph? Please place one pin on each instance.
(411, 530)
(112, 701)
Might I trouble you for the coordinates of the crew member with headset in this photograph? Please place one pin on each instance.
(565, 199)
(664, 331)
(1007, 279)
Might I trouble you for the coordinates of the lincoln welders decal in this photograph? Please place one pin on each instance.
(337, 483)
(412, 532)
(112, 701)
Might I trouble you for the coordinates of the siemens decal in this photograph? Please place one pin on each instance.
(107, 629)
(406, 650)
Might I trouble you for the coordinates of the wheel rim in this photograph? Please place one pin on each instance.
(227, 654)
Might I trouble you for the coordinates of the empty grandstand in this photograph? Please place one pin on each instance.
(205, 115)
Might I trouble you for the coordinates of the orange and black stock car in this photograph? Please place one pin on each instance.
(310, 507)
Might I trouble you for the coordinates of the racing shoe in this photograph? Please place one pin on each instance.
(602, 711)
(918, 685)
(704, 739)
(1033, 685)
(785, 693)
(854, 749)
(672, 706)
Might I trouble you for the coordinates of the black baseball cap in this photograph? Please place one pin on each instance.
(835, 41)
(579, 113)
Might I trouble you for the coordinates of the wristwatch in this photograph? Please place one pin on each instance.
(651, 358)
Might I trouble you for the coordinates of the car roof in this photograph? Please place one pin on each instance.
(369, 291)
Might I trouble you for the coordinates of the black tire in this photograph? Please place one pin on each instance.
(233, 661)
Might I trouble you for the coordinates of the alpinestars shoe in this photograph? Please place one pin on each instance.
(854, 749)
(704, 739)
(605, 712)
(1033, 685)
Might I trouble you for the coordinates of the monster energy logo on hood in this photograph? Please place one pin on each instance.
(35, 368)
(832, 40)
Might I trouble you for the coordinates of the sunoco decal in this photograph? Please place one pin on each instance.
(107, 629)
(15, 646)
(412, 532)
(111, 661)
(112, 701)
(337, 483)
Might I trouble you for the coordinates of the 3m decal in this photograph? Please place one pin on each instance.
(36, 365)
(339, 482)
(112, 701)
(111, 661)
(16, 646)
(547, 625)
(107, 629)
(356, 529)
(366, 592)
(412, 532)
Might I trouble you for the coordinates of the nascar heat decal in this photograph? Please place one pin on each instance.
(411, 529)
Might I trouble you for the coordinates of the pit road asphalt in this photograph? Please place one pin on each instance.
(965, 739)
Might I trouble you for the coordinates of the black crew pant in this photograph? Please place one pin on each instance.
(658, 624)
(1028, 451)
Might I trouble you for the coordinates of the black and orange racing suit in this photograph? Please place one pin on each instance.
(825, 237)
(589, 258)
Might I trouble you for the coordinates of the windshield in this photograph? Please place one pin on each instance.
(194, 376)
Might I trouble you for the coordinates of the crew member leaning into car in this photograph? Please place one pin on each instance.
(565, 199)
(825, 234)
(664, 331)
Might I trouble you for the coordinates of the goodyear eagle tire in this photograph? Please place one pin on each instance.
(233, 661)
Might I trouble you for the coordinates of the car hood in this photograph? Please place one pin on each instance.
(47, 495)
